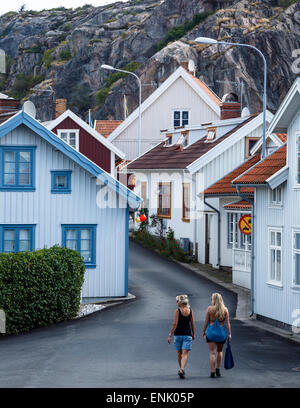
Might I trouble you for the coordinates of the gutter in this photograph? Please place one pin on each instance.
(244, 197)
(219, 230)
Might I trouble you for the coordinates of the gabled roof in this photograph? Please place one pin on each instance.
(106, 127)
(239, 205)
(69, 114)
(287, 109)
(224, 186)
(263, 170)
(196, 84)
(172, 157)
(22, 118)
(277, 138)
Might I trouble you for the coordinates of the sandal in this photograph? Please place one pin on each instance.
(181, 373)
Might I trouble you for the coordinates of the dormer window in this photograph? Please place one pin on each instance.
(169, 140)
(180, 118)
(250, 142)
(211, 134)
(70, 136)
(183, 140)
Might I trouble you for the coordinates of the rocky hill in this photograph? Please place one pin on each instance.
(151, 38)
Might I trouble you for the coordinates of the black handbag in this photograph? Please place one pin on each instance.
(228, 360)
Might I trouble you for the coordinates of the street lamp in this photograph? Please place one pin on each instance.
(205, 40)
(109, 67)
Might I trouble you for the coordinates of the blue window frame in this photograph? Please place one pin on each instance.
(17, 168)
(17, 238)
(61, 181)
(81, 238)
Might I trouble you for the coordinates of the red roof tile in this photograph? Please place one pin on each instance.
(281, 136)
(224, 186)
(172, 157)
(239, 205)
(265, 168)
(5, 116)
(206, 89)
(106, 127)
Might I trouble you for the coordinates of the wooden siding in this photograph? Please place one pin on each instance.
(88, 145)
(160, 116)
(278, 302)
(48, 211)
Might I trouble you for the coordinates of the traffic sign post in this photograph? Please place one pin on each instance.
(245, 224)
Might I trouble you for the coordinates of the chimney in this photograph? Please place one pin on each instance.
(9, 105)
(60, 107)
(231, 107)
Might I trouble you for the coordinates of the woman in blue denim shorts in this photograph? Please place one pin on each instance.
(183, 328)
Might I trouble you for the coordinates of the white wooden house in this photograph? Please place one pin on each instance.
(234, 246)
(172, 176)
(276, 269)
(50, 193)
(182, 100)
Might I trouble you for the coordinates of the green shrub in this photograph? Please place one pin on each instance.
(287, 3)
(167, 247)
(39, 288)
(23, 84)
(48, 57)
(65, 55)
(102, 95)
(67, 27)
(114, 77)
(95, 40)
(35, 49)
(179, 31)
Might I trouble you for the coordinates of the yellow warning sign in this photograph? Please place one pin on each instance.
(245, 225)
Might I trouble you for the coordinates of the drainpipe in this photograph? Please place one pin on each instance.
(238, 188)
(195, 216)
(219, 230)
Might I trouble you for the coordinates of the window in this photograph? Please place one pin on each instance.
(211, 134)
(186, 202)
(276, 196)
(70, 136)
(164, 200)
(144, 194)
(61, 182)
(249, 143)
(275, 256)
(180, 118)
(18, 168)
(235, 238)
(81, 238)
(17, 238)
(169, 140)
(296, 258)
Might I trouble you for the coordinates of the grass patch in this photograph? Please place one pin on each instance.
(48, 57)
(65, 55)
(177, 32)
(23, 84)
(35, 49)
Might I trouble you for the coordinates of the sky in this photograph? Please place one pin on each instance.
(14, 5)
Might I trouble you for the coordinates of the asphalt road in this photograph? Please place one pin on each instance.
(126, 345)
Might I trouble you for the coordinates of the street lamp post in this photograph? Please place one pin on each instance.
(205, 40)
(104, 66)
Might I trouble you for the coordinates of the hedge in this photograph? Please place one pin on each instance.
(39, 288)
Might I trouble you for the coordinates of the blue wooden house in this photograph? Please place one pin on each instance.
(50, 193)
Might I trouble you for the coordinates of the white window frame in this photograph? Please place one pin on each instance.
(295, 251)
(68, 131)
(240, 241)
(275, 247)
(181, 110)
(277, 203)
(297, 170)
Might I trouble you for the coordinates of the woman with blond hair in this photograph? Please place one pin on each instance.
(214, 330)
(183, 328)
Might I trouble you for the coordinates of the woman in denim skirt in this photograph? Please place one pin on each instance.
(183, 328)
(215, 332)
